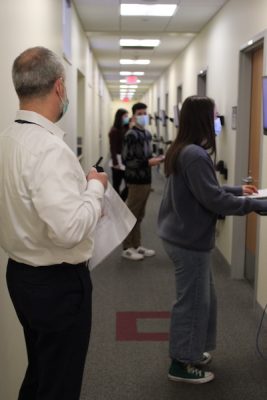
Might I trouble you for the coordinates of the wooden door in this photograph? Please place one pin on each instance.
(254, 151)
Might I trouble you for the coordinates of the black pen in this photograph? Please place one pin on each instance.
(99, 161)
(97, 166)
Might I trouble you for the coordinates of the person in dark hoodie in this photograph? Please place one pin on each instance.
(116, 135)
(191, 203)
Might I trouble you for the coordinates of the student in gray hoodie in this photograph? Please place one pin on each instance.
(191, 203)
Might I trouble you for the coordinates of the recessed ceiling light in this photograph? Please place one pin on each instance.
(123, 81)
(127, 73)
(136, 62)
(139, 42)
(148, 10)
(128, 87)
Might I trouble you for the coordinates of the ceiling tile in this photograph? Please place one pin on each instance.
(105, 27)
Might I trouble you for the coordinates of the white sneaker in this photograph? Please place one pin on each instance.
(132, 254)
(145, 252)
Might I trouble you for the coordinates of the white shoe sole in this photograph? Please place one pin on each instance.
(148, 255)
(206, 379)
(131, 258)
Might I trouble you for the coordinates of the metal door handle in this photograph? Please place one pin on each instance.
(247, 180)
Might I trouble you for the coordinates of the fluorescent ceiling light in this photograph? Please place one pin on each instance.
(136, 62)
(128, 87)
(127, 73)
(139, 42)
(148, 10)
(125, 81)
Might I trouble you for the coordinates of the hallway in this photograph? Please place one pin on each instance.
(132, 364)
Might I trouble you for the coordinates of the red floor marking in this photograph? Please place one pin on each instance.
(126, 326)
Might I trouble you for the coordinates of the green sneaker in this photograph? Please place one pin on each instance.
(181, 372)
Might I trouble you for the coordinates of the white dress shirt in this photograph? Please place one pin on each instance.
(48, 210)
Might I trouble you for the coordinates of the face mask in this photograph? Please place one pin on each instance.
(125, 120)
(217, 126)
(142, 120)
(64, 105)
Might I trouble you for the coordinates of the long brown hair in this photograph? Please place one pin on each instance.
(118, 118)
(196, 127)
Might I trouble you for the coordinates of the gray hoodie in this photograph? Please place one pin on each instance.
(193, 199)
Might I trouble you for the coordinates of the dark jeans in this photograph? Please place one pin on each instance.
(53, 304)
(117, 178)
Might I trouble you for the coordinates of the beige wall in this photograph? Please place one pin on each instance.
(216, 49)
(26, 24)
(121, 104)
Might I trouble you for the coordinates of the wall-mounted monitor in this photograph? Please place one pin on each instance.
(264, 103)
(176, 115)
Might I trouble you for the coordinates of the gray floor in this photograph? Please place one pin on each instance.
(137, 370)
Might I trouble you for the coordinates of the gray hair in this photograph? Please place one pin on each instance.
(35, 71)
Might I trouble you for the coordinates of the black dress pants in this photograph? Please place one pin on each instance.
(118, 176)
(53, 304)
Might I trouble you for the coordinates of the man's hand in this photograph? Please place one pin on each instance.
(116, 166)
(99, 176)
(249, 189)
(155, 161)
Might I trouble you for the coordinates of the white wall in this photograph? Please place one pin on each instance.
(121, 104)
(25, 24)
(216, 49)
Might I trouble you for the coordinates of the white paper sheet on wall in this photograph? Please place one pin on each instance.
(115, 224)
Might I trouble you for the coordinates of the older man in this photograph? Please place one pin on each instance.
(48, 212)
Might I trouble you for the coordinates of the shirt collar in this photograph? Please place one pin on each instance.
(38, 119)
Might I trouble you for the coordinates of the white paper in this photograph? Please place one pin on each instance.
(262, 194)
(113, 227)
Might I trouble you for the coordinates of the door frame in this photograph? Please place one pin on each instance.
(242, 148)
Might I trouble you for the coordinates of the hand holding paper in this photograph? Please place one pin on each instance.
(116, 223)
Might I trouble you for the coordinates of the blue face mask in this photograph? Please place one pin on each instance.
(217, 126)
(65, 104)
(142, 120)
(125, 120)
